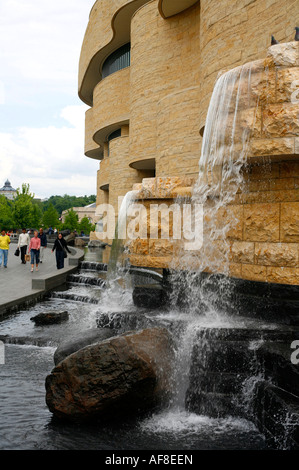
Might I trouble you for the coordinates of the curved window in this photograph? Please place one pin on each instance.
(118, 60)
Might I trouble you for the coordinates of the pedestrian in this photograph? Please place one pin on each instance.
(4, 247)
(61, 247)
(43, 244)
(23, 243)
(34, 248)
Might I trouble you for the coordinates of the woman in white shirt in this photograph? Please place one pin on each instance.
(23, 243)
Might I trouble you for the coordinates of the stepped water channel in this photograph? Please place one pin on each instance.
(26, 422)
(186, 423)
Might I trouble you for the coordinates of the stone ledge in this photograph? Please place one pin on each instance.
(51, 280)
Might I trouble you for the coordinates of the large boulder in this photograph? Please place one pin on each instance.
(79, 341)
(123, 375)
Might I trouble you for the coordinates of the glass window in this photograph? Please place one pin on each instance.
(118, 60)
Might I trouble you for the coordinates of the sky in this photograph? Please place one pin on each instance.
(41, 115)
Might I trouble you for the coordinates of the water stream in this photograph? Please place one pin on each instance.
(26, 422)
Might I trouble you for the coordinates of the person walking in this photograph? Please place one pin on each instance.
(43, 244)
(34, 249)
(4, 247)
(23, 242)
(61, 247)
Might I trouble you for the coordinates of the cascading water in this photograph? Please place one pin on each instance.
(118, 245)
(222, 166)
(218, 364)
(221, 176)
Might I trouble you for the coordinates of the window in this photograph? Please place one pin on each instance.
(118, 60)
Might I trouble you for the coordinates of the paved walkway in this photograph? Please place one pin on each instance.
(18, 285)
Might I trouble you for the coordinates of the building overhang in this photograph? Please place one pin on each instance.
(120, 31)
(145, 164)
(168, 8)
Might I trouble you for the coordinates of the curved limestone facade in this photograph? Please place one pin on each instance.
(147, 118)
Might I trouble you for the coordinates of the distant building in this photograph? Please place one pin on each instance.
(86, 211)
(8, 191)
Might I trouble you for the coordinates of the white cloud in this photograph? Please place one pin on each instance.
(50, 159)
(42, 133)
(2, 93)
(41, 43)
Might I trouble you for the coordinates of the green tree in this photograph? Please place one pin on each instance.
(71, 220)
(86, 226)
(22, 212)
(62, 203)
(36, 215)
(6, 214)
(51, 217)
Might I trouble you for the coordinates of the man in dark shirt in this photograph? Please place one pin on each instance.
(43, 244)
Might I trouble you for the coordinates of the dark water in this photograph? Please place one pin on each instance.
(27, 424)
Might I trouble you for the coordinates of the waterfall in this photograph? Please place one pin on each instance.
(229, 127)
(116, 261)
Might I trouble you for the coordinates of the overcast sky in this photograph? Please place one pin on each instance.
(42, 117)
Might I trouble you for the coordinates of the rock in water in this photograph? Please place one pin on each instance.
(50, 318)
(85, 338)
(121, 376)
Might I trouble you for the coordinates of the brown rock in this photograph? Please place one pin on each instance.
(123, 375)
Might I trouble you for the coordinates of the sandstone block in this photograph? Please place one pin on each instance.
(276, 254)
(261, 222)
(287, 87)
(289, 169)
(283, 275)
(280, 120)
(242, 252)
(289, 224)
(286, 54)
(140, 246)
(160, 247)
(254, 272)
(270, 147)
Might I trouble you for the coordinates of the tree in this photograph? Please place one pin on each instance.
(86, 226)
(22, 212)
(62, 203)
(71, 220)
(36, 215)
(6, 214)
(51, 217)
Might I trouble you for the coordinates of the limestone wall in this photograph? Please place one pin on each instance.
(239, 31)
(161, 102)
(164, 80)
(262, 243)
